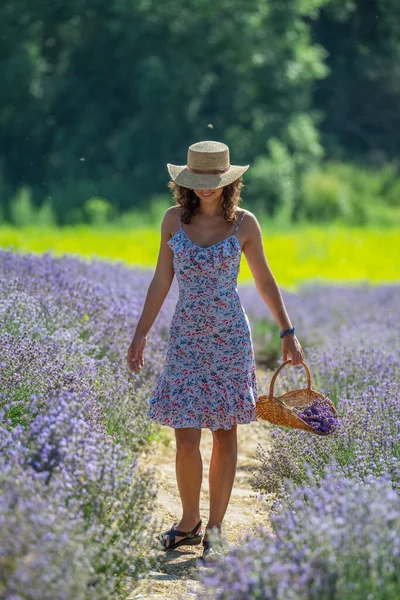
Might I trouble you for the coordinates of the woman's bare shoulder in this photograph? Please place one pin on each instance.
(172, 210)
(251, 230)
(171, 219)
(250, 219)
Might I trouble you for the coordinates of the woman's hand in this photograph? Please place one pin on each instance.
(291, 345)
(135, 352)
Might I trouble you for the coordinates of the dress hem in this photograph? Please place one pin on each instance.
(236, 422)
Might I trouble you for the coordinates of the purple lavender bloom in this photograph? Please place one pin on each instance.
(338, 540)
(75, 502)
(334, 499)
(319, 416)
(358, 366)
(73, 424)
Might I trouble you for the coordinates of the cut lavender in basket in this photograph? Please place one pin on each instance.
(319, 416)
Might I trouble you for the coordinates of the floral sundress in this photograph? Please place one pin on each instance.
(209, 376)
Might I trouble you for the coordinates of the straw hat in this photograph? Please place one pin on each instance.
(208, 167)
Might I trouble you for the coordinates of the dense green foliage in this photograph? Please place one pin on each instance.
(98, 96)
(360, 97)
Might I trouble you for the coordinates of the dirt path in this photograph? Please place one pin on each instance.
(177, 571)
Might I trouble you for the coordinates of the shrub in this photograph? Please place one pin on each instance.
(22, 210)
(72, 426)
(272, 182)
(351, 194)
(328, 542)
(357, 364)
(98, 211)
(322, 315)
(325, 198)
(69, 464)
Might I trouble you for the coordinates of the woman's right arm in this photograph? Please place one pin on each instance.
(156, 293)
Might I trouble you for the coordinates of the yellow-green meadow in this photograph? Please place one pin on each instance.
(295, 254)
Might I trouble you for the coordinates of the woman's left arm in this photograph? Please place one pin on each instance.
(267, 287)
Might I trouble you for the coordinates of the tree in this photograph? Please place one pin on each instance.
(117, 89)
(361, 95)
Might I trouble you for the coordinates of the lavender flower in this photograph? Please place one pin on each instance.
(72, 425)
(338, 540)
(319, 416)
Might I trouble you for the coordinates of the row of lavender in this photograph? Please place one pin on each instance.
(334, 501)
(72, 424)
(75, 501)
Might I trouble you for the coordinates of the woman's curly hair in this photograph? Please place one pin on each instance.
(187, 199)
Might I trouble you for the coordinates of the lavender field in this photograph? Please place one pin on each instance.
(334, 501)
(76, 503)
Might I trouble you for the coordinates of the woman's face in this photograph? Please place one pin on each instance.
(209, 195)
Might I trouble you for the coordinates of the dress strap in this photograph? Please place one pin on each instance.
(240, 222)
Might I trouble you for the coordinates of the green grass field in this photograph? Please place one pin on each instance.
(295, 254)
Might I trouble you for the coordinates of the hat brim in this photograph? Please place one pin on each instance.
(182, 176)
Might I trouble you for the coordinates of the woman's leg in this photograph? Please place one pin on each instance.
(222, 474)
(189, 475)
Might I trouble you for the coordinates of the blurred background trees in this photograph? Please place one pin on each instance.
(97, 96)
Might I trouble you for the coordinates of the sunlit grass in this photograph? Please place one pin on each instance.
(295, 254)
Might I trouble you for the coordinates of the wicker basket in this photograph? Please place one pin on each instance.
(279, 411)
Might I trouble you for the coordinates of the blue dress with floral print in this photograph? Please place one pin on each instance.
(209, 377)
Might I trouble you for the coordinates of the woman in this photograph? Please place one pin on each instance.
(209, 377)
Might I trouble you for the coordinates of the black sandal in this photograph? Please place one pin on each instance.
(209, 552)
(191, 538)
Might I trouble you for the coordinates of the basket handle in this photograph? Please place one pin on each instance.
(275, 375)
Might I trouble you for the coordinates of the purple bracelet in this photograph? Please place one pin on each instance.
(286, 331)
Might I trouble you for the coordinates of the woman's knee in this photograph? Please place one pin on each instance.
(187, 440)
(225, 437)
